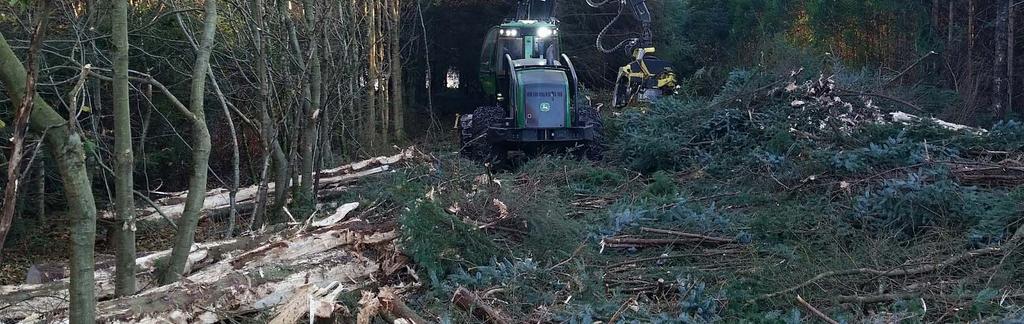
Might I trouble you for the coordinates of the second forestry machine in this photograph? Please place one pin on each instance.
(534, 94)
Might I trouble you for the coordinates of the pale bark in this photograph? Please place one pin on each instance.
(21, 301)
(200, 152)
(434, 125)
(124, 167)
(229, 277)
(217, 201)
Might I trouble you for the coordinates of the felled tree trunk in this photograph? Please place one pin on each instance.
(217, 201)
(259, 279)
(21, 301)
(231, 276)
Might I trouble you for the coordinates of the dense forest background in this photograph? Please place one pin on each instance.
(132, 101)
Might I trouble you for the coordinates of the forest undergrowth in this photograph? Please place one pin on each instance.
(788, 196)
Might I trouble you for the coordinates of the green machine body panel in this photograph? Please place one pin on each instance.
(521, 39)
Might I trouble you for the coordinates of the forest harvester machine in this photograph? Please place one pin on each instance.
(533, 91)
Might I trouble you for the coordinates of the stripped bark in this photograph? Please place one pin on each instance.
(259, 279)
(217, 200)
(42, 300)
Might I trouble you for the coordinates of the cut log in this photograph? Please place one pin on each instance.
(308, 299)
(470, 302)
(22, 301)
(338, 215)
(218, 200)
(272, 267)
(259, 279)
(689, 235)
(394, 305)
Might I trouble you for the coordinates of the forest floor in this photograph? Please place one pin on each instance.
(781, 199)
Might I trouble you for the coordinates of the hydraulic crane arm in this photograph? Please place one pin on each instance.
(640, 12)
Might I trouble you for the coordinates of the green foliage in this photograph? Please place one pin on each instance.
(662, 185)
(590, 180)
(441, 243)
(894, 152)
(908, 206)
(654, 139)
(523, 280)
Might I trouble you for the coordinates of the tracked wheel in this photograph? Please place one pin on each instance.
(620, 97)
(475, 142)
(593, 149)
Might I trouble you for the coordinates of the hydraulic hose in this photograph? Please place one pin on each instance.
(598, 4)
(600, 36)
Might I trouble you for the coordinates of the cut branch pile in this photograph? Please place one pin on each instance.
(1007, 173)
(663, 237)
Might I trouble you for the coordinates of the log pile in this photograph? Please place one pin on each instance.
(232, 277)
(330, 184)
(309, 264)
(1007, 173)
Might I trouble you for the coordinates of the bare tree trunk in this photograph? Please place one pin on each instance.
(971, 12)
(65, 147)
(267, 126)
(949, 26)
(999, 73)
(396, 71)
(372, 82)
(434, 125)
(185, 235)
(1011, 56)
(233, 189)
(124, 167)
(41, 189)
(21, 119)
(281, 178)
(307, 198)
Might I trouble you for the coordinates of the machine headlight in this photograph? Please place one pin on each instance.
(509, 32)
(545, 32)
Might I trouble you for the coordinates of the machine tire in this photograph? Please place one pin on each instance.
(478, 146)
(620, 96)
(593, 149)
